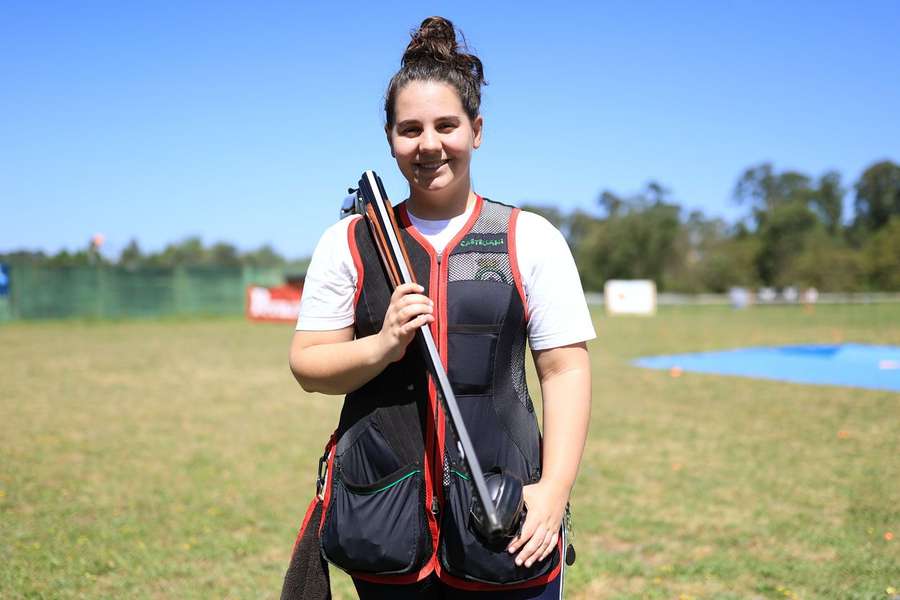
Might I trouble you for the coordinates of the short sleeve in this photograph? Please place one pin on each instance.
(557, 309)
(327, 299)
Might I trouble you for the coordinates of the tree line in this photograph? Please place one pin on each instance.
(189, 252)
(794, 233)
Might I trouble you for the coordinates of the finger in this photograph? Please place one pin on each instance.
(537, 539)
(538, 554)
(551, 544)
(398, 304)
(416, 323)
(525, 535)
(414, 299)
(408, 312)
(406, 288)
(401, 314)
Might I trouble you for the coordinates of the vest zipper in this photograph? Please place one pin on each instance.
(438, 453)
(435, 508)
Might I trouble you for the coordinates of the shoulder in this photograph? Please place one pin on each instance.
(332, 254)
(334, 241)
(528, 223)
(536, 221)
(535, 227)
(338, 232)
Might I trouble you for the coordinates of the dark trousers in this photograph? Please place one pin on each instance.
(432, 589)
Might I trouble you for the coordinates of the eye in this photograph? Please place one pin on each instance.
(446, 127)
(409, 131)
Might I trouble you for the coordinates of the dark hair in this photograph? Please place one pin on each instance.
(435, 55)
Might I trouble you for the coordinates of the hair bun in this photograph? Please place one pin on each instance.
(434, 54)
(434, 40)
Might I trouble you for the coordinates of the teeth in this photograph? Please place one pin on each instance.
(433, 165)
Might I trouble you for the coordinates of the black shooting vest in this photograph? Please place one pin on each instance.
(398, 496)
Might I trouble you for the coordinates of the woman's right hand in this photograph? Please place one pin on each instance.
(408, 311)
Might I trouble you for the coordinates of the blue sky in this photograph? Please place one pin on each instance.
(246, 122)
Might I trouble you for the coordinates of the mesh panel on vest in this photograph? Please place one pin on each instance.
(493, 218)
(517, 371)
(446, 471)
(493, 266)
(480, 267)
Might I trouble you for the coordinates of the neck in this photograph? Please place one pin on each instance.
(439, 206)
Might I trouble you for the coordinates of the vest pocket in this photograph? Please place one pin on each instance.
(463, 554)
(471, 350)
(379, 527)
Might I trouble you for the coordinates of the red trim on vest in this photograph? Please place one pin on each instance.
(411, 229)
(432, 432)
(433, 407)
(514, 258)
(309, 512)
(357, 260)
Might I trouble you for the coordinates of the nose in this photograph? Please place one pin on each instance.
(429, 141)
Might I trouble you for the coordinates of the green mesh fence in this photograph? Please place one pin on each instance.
(110, 292)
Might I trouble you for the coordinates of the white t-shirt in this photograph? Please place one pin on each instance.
(557, 311)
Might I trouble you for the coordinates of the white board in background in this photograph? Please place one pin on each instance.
(630, 297)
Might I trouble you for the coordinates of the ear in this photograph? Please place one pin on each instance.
(477, 129)
(387, 133)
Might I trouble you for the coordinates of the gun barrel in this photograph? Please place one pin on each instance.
(386, 233)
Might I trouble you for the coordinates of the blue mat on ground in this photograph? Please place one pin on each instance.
(856, 365)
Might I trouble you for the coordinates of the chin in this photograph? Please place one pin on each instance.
(434, 185)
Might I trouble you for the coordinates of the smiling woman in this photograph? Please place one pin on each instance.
(433, 140)
(396, 498)
(432, 118)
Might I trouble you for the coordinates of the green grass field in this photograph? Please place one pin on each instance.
(175, 458)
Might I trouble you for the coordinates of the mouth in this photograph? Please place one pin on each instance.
(433, 165)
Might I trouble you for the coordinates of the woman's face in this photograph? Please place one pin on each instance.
(433, 138)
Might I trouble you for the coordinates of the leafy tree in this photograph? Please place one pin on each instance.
(637, 239)
(826, 263)
(223, 254)
(732, 264)
(189, 252)
(763, 190)
(23, 257)
(131, 257)
(714, 258)
(827, 201)
(263, 257)
(882, 257)
(877, 195)
(782, 235)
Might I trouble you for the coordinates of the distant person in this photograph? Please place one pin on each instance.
(739, 297)
(397, 494)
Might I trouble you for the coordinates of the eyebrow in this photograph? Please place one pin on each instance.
(417, 122)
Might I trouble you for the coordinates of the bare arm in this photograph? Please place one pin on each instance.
(333, 362)
(565, 376)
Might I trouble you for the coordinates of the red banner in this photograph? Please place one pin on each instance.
(280, 304)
